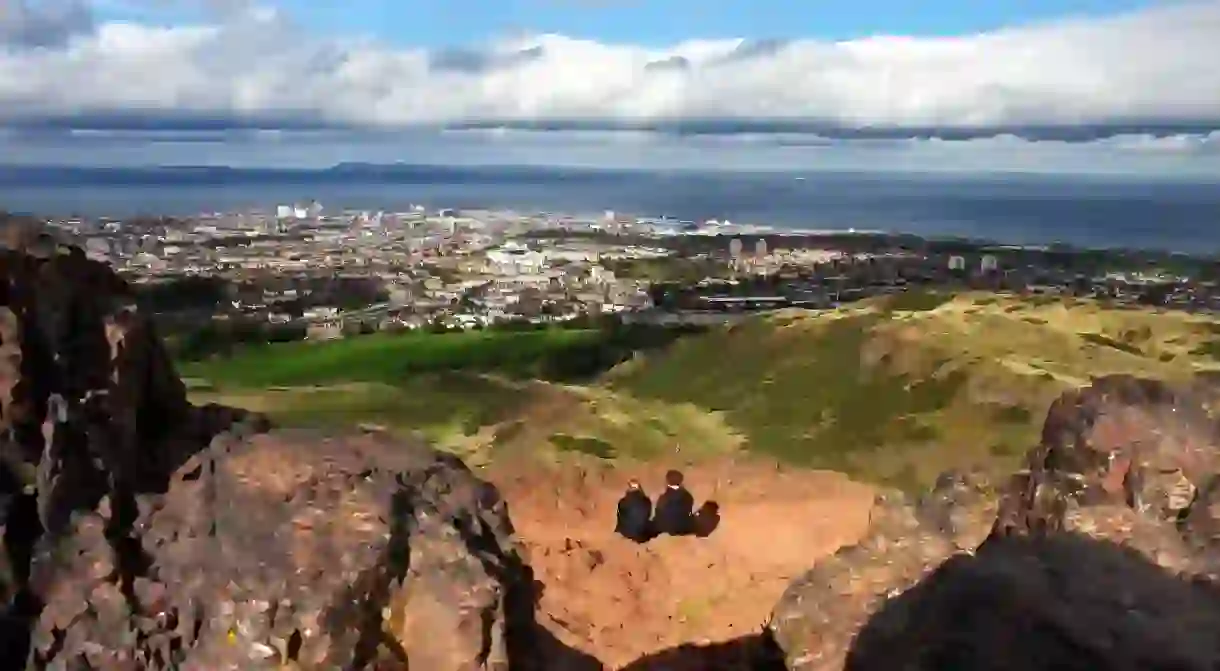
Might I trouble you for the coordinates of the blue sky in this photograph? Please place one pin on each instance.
(1137, 79)
(655, 22)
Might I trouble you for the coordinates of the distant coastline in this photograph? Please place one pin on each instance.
(1095, 212)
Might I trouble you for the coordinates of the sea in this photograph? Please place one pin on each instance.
(1178, 215)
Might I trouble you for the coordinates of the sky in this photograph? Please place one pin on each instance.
(1121, 80)
(439, 23)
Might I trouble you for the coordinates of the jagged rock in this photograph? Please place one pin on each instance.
(817, 616)
(341, 552)
(1126, 461)
(1066, 602)
(962, 506)
(91, 410)
(1118, 445)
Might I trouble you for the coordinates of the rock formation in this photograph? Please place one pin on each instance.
(1109, 532)
(347, 552)
(1058, 601)
(142, 532)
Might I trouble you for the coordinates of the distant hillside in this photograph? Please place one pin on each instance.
(895, 390)
(900, 389)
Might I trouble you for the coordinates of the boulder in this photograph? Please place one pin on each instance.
(1125, 460)
(140, 531)
(1125, 472)
(1064, 601)
(290, 548)
(89, 403)
(816, 618)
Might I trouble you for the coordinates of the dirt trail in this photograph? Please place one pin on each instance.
(620, 602)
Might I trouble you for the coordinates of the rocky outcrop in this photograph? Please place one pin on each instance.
(1059, 601)
(815, 621)
(90, 408)
(142, 532)
(346, 552)
(1120, 497)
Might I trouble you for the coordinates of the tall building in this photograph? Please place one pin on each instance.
(760, 248)
(735, 248)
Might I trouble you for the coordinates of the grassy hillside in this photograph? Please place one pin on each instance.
(475, 393)
(392, 358)
(899, 389)
(893, 390)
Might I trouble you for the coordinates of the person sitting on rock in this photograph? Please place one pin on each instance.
(675, 508)
(634, 514)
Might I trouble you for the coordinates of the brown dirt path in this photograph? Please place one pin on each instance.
(620, 602)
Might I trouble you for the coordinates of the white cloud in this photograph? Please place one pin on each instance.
(1155, 65)
(1186, 156)
(43, 23)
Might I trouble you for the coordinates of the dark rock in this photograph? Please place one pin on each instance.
(91, 412)
(1065, 602)
(1125, 466)
(816, 618)
(140, 532)
(348, 552)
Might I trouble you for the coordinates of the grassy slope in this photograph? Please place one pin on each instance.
(894, 391)
(899, 391)
(469, 392)
(387, 358)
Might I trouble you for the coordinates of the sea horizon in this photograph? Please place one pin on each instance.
(1169, 214)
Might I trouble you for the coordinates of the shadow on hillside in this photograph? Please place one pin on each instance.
(748, 653)
(707, 519)
(1067, 602)
(555, 655)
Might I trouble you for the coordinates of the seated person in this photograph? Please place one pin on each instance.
(675, 508)
(634, 514)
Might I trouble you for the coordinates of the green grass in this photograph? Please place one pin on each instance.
(442, 406)
(893, 390)
(917, 300)
(1106, 341)
(1010, 414)
(595, 447)
(812, 401)
(391, 358)
(899, 388)
(1209, 349)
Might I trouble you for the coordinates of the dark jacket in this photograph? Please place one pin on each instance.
(675, 508)
(634, 516)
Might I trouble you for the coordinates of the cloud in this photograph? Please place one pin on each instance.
(250, 65)
(1175, 157)
(45, 23)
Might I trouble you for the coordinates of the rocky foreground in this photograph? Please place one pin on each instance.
(141, 532)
